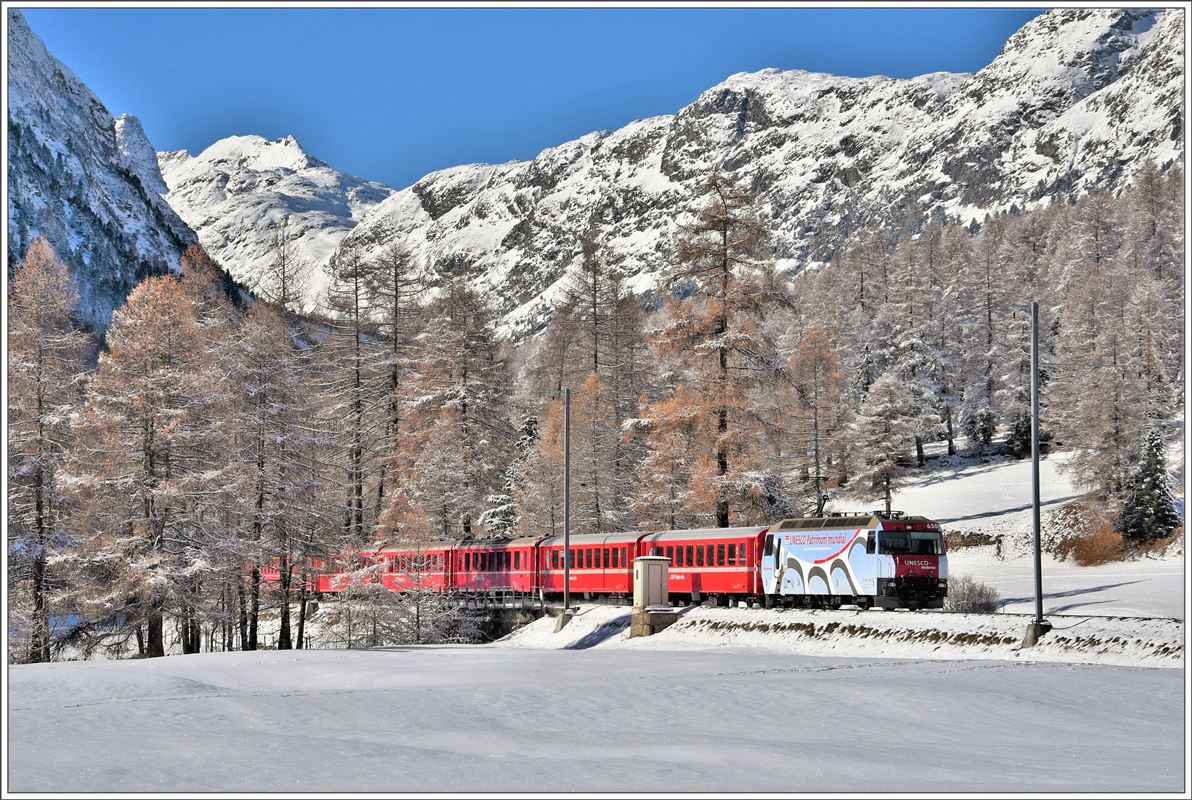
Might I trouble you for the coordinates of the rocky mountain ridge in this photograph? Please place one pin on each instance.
(1078, 99)
(84, 180)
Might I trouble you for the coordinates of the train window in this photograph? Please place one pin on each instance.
(720, 555)
(769, 551)
(689, 556)
(670, 553)
(604, 558)
(517, 560)
(699, 555)
(732, 555)
(741, 553)
(587, 558)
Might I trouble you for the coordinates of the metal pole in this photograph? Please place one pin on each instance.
(566, 500)
(1035, 462)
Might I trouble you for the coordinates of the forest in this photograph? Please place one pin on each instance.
(154, 474)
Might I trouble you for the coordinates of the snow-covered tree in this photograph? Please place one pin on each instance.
(1149, 511)
(457, 410)
(819, 408)
(883, 432)
(149, 462)
(46, 364)
(287, 276)
(728, 357)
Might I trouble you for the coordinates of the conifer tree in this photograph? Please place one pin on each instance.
(149, 461)
(457, 406)
(883, 431)
(718, 333)
(287, 277)
(539, 495)
(46, 353)
(1149, 511)
(819, 388)
(353, 382)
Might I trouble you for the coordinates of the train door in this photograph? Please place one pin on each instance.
(768, 572)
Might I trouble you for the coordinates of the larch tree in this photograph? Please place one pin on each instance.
(819, 407)
(353, 379)
(717, 332)
(287, 276)
(148, 460)
(675, 439)
(539, 494)
(457, 410)
(46, 365)
(392, 288)
(277, 452)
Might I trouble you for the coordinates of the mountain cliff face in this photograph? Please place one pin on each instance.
(239, 190)
(87, 182)
(1078, 99)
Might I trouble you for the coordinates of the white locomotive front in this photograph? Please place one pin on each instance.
(884, 560)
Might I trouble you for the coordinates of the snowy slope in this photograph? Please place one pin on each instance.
(993, 497)
(84, 180)
(237, 191)
(1078, 99)
(504, 719)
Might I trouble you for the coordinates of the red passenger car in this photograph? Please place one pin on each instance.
(720, 563)
(601, 564)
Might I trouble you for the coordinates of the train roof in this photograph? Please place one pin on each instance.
(705, 533)
(593, 538)
(521, 541)
(405, 548)
(837, 522)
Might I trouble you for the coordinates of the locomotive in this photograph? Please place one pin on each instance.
(884, 560)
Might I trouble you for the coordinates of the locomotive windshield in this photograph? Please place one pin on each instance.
(918, 543)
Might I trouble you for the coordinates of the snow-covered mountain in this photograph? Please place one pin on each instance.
(237, 191)
(1077, 99)
(86, 181)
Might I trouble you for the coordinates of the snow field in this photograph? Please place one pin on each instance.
(466, 719)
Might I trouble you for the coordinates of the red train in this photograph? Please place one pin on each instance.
(719, 565)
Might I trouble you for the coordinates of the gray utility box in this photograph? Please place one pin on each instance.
(650, 582)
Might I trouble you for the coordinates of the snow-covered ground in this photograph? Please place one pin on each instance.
(496, 718)
(1142, 588)
(869, 634)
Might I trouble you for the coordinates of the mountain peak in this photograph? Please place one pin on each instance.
(138, 154)
(257, 153)
(240, 188)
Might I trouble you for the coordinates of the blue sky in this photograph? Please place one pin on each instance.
(391, 94)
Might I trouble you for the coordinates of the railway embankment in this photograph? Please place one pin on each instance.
(1125, 641)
